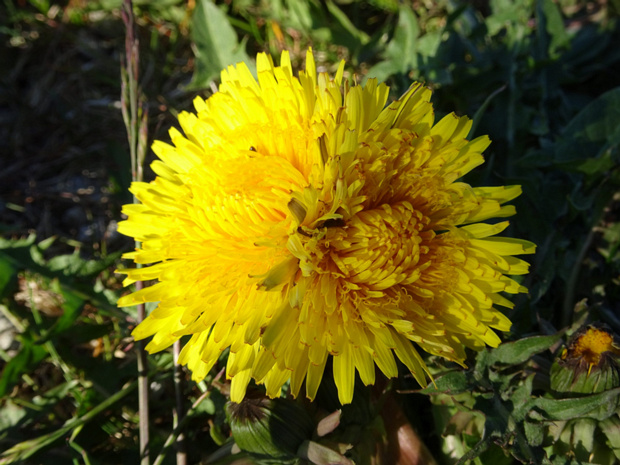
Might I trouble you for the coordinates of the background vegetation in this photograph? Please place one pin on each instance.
(541, 78)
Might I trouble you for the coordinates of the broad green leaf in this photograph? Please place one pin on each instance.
(597, 406)
(215, 43)
(513, 353)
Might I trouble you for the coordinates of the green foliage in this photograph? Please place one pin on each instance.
(509, 388)
(215, 43)
(538, 76)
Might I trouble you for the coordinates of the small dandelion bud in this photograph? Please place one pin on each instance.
(272, 428)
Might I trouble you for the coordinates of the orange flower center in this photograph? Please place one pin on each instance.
(592, 344)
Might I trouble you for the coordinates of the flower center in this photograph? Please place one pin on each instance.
(370, 252)
(592, 345)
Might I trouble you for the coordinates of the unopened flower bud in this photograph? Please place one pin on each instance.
(273, 428)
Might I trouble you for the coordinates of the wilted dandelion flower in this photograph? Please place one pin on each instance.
(299, 218)
(590, 362)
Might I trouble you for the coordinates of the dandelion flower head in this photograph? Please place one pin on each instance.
(299, 218)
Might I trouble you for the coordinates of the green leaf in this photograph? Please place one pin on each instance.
(215, 44)
(597, 406)
(7, 274)
(17, 243)
(346, 33)
(55, 394)
(401, 52)
(554, 25)
(24, 254)
(300, 17)
(26, 359)
(534, 432)
(10, 416)
(514, 353)
(591, 134)
(402, 48)
(23, 450)
(453, 382)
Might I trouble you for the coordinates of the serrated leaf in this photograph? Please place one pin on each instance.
(597, 406)
(215, 43)
(401, 52)
(534, 432)
(514, 353)
(17, 243)
(453, 382)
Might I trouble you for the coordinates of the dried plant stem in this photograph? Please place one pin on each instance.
(135, 118)
(178, 411)
(143, 391)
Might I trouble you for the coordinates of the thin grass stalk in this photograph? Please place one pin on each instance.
(178, 429)
(26, 449)
(135, 118)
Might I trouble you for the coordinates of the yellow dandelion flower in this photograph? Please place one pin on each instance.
(300, 218)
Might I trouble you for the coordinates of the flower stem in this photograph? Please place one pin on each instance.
(135, 118)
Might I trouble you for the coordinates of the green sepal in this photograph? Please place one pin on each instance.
(565, 378)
